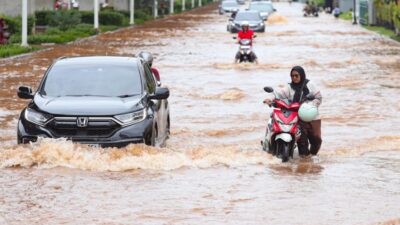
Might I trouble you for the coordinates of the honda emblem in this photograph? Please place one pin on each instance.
(82, 121)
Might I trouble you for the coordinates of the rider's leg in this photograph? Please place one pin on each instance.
(237, 57)
(254, 57)
(302, 143)
(315, 136)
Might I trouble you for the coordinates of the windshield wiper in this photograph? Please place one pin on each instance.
(87, 95)
(126, 96)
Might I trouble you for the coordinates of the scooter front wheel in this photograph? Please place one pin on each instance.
(284, 151)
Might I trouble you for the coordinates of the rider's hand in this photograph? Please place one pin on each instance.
(267, 101)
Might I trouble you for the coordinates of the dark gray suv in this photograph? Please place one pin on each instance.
(254, 19)
(105, 101)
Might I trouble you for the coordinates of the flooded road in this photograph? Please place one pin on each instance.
(213, 170)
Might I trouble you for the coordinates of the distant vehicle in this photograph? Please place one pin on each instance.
(264, 7)
(253, 17)
(228, 7)
(241, 2)
(311, 10)
(102, 101)
(245, 52)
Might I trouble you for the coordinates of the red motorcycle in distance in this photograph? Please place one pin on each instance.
(282, 129)
(245, 53)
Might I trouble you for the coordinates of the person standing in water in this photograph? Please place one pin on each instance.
(297, 91)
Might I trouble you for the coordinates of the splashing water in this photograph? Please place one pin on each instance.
(277, 19)
(50, 153)
(213, 170)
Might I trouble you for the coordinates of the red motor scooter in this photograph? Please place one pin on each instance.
(282, 129)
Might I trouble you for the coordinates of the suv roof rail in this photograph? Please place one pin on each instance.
(62, 57)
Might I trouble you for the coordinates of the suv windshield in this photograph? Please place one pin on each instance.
(262, 7)
(229, 4)
(253, 16)
(92, 80)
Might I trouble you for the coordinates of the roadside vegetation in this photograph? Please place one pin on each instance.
(387, 19)
(63, 26)
(66, 26)
(384, 31)
(10, 50)
(346, 15)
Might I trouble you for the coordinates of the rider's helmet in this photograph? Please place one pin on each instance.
(147, 56)
(245, 24)
(308, 112)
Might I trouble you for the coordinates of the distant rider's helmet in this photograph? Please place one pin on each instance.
(308, 112)
(245, 24)
(147, 56)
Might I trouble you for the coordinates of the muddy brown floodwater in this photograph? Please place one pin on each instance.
(213, 170)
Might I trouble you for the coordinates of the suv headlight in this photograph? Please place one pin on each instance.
(131, 118)
(36, 117)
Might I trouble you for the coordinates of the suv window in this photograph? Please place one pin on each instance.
(92, 79)
(150, 82)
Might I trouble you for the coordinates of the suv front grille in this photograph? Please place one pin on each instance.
(96, 127)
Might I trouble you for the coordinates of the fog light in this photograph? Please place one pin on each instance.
(27, 140)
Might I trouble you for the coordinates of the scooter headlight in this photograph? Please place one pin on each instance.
(36, 117)
(131, 118)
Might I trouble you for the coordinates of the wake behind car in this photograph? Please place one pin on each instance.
(253, 17)
(102, 100)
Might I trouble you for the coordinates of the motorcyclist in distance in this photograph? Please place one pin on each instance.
(148, 57)
(297, 91)
(246, 33)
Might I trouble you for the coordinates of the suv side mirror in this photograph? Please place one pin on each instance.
(268, 89)
(161, 93)
(310, 97)
(274, 10)
(25, 92)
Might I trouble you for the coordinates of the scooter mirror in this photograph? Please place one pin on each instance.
(234, 38)
(268, 89)
(254, 36)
